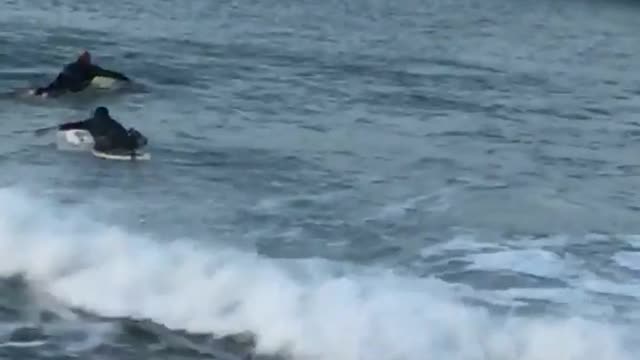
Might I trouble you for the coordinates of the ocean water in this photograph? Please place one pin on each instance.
(329, 180)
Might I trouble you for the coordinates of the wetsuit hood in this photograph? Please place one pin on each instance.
(101, 112)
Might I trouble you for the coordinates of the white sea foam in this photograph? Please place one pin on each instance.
(300, 308)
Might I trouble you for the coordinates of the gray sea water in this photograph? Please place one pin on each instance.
(329, 180)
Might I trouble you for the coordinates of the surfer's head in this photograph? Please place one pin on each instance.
(101, 112)
(85, 57)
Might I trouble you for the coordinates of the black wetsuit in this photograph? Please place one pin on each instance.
(76, 76)
(108, 134)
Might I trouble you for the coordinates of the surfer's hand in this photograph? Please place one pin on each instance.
(38, 92)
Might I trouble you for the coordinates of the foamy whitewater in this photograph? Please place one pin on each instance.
(305, 308)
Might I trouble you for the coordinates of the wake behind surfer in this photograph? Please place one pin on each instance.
(108, 134)
(76, 76)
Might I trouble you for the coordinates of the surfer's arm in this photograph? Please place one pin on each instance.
(77, 125)
(98, 71)
(65, 81)
(56, 84)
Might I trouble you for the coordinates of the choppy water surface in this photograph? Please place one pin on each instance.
(329, 180)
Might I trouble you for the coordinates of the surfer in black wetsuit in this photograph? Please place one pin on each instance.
(77, 75)
(108, 134)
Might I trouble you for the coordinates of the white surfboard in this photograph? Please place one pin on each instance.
(98, 82)
(75, 140)
(122, 156)
(104, 82)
